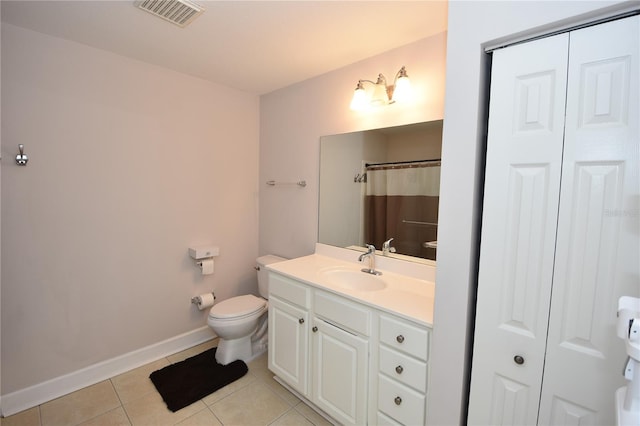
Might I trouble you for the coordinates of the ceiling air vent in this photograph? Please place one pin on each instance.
(179, 12)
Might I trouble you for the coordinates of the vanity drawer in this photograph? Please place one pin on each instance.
(290, 290)
(404, 336)
(400, 402)
(403, 368)
(343, 312)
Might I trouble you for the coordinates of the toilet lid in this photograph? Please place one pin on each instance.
(237, 306)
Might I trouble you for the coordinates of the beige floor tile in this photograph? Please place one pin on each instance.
(30, 417)
(131, 399)
(260, 363)
(151, 410)
(266, 376)
(216, 396)
(202, 418)
(252, 405)
(188, 353)
(311, 415)
(115, 417)
(259, 368)
(136, 383)
(80, 406)
(242, 382)
(292, 418)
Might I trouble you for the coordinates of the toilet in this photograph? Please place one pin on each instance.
(241, 322)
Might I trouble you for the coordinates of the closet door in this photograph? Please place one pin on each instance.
(522, 183)
(597, 252)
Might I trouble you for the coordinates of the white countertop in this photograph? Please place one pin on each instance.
(405, 296)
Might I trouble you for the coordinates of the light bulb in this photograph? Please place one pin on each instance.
(402, 91)
(380, 96)
(359, 100)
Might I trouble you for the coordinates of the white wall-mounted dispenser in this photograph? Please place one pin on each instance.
(204, 257)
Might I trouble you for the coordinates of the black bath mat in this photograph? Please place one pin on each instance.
(186, 382)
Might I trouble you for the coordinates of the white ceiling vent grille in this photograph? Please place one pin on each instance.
(179, 12)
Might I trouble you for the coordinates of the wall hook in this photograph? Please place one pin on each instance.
(21, 159)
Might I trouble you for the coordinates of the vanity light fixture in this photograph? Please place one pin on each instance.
(383, 94)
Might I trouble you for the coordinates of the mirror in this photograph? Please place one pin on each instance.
(381, 184)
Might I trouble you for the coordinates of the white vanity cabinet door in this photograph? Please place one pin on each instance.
(289, 343)
(340, 371)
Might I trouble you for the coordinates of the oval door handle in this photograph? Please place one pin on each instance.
(518, 359)
(400, 338)
(314, 329)
(397, 400)
(399, 369)
(301, 320)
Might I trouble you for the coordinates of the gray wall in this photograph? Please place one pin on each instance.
(130, 164)
(294, 118)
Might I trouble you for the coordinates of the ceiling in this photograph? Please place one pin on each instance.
(254, 46)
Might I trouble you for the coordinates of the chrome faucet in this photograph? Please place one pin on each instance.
(371, 254)
(386, 247)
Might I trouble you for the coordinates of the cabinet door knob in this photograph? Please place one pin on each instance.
(397, 400)
(518, 359)
(314, 329)
(301, 320)
(399, 369)
(400, 338)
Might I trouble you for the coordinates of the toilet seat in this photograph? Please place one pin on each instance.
(237, 307)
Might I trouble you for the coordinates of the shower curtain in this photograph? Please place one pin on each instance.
(401, 202)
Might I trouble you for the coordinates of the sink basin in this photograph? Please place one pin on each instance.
(354, 280)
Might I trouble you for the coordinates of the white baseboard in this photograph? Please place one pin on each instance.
(35, 395)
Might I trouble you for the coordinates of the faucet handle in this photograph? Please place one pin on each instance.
(371, 248)
(386, 247)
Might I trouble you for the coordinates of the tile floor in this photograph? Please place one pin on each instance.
(131, 399)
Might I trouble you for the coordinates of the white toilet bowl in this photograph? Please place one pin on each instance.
(241, 322)
(235, 321)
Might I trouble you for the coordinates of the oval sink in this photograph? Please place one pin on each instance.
(354, 280)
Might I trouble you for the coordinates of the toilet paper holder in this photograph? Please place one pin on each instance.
(204, 252)
(197, 300)
(204, 257)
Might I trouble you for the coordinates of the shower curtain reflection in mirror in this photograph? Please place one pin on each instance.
(401, 202)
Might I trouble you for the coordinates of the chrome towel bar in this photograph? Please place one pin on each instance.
(301, 183)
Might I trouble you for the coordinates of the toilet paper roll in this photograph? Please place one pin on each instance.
(207, 266)
(205, 301)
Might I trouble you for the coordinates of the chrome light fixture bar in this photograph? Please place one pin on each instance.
(382, 94)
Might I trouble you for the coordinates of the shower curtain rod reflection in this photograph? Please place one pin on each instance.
(402, 164)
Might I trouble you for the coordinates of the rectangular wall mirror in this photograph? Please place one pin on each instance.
(381, 184)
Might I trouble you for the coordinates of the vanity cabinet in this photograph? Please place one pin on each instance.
(355, 363)
(289, 304)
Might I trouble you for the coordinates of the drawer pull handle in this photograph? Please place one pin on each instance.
(400, 338)
(518, 359)
(397, 400)
(399, 369)
(314, 329)
(301, 320)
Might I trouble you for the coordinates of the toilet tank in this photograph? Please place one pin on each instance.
(263, 277)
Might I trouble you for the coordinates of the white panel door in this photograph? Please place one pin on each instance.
(289, 343)
(340, 365)
(598, 244)
(524, 155)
